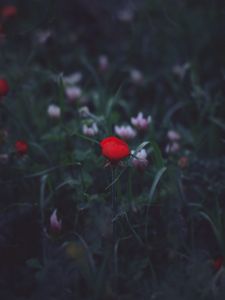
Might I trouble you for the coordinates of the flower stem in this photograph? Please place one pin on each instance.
(114, 232)
(114, 206)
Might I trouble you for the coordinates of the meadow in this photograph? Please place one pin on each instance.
(112, 164)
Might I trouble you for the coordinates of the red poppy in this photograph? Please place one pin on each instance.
(4, 87)
(9, 11)
(114, 148)
(21, 147)
(217, 263)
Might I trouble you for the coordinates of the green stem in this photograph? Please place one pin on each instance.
(114, 233)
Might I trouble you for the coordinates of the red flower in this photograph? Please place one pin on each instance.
(21, 147)
(9, 11)
(4, 87)
(114, 148)
(217, 263)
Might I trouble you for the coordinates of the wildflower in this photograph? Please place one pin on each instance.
(103, 63)
(125, 132)
(4, 158)
(9, 11)
(218, 262)
(136, 76)
(181, 70)
(114, 149)
(140, 160)
(183, 162)
(173, 136)
(55, 223)
(54, 111)
(90, 130)
(21, 147)
(84, 112)
(140, 122)
(42, 36)
(73, 78)
(125, 15)
(4, 87)
(73, 93)
(172, 148)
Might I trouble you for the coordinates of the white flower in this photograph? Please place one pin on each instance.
(84, 112)
(73, 78)
(43, 35)
(125, 15)
(181, 70)
(172, 148)
(140, 122)
(136, 76)
(73, 93)
(54, 111)
(140, 160)
(173, 135)
(90, 130)
(125, 132)
(103, 62)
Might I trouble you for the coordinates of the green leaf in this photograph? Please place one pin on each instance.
(157, 156)
(214, 228)
(157, 178)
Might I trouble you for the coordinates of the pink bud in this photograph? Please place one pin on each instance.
(55, 223)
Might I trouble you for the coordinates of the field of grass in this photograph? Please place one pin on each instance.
(112, 161)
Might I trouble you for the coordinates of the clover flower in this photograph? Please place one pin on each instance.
(90, 130)
(73, 93)
(136, 76)
(54, 111)
(173, 135)
(140, 160)
(125, 132)
(140, 122)
(73, 78)
(172, 148)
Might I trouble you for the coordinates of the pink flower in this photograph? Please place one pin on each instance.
(125, 132)
(103, 63)
(140, 122)
(73, 93)
(90, 130)
(173, 136)
(172, 148)
(136, 76)
(55, 223)
(140, 160)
